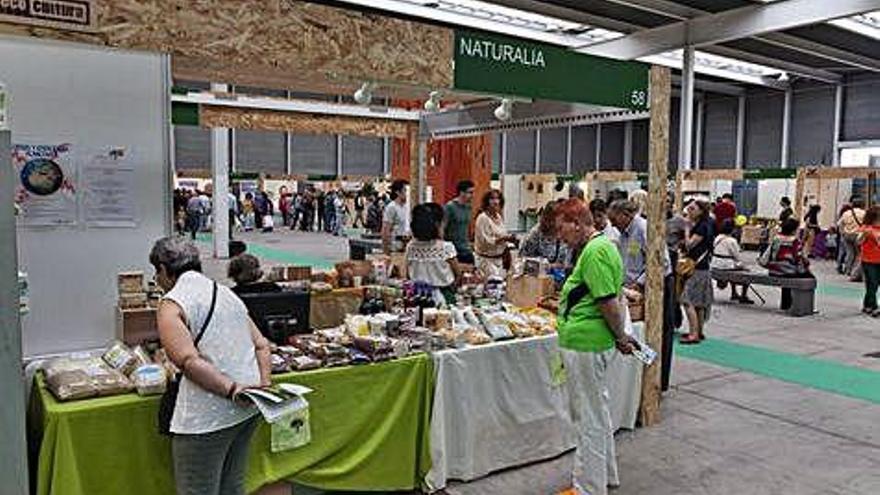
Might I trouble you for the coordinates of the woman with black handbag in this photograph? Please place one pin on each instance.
(697, 295)
(206, 331)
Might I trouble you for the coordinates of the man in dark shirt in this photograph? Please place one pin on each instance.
(787, 212)
(458, 220)
(724, 210)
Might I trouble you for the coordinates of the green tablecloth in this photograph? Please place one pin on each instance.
(369, 432)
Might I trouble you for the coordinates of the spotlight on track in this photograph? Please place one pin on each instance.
(364, 95)
(504, 112)
(432, 104)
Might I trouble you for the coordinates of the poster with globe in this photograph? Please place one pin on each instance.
(46, 192)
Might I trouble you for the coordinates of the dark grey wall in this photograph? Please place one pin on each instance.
(362, 155)
(583, 149)
(554, 147)
(611, 155)
(719, 124)
(521, 152)
(763, 145)
(192, 147)
(260, 151)
(641, 140)
(312, 154)
(861, 110)
(812, 125)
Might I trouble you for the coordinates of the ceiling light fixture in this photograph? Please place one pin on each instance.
(364, 94)
(504, 112)
(433, 102)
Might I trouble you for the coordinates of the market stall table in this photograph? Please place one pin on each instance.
(496, 407)
(369, 432)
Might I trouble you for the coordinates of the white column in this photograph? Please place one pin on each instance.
(628, 145)
(339, 157)
(740, 131)
(568, 146)
(13, 450)
(698, 151)
(220, 179)
(838, 122)
(598, 145)
(786, 127)
(386, 156)
(503, 153)
(538, 151)
(686, 119)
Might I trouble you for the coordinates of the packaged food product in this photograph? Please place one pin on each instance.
(141, 356)
(304, 363)
(120, 358)
(149, 379)
(474, 336)
(69, 378)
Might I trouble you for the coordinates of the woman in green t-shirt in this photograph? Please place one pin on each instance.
(591, 324)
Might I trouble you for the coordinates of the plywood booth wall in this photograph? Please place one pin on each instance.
(270, 43)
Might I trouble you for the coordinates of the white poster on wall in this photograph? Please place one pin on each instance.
(47, 186)
(108, 179)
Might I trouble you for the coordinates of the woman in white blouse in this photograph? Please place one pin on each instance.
(727, 256)
(429, 258)
(211, 427)
(491, 239)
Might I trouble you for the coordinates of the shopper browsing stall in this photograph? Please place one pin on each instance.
(849, 224)
(206, 331)
(599, 210)
(491, 240)
(542, 241)
(870, 250)
(429, 258)
(458, 221)
(591, 323)
(395, 219)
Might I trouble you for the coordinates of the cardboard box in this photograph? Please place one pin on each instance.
(134, 300)
(527, 291)
(135, 326)
(130, 282)
(328, 309)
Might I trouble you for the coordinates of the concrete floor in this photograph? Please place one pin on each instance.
(726, 430)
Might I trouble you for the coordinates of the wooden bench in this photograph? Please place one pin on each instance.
(803, 290)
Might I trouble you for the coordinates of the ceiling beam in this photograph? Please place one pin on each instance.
(625, 27)
(713, 86)
(681, 12)
(744, 22)
(790, 67)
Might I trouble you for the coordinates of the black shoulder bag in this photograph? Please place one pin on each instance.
(169, 398)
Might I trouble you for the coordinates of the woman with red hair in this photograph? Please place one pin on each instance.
(591, 324)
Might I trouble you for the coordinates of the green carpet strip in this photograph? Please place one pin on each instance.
(819, 374)
(280, 255)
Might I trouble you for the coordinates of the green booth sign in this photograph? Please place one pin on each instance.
(491, 63)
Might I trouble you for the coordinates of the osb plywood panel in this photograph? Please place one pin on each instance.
(268, 120)
(274, 43)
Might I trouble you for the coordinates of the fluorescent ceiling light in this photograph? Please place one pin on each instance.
(865, 24)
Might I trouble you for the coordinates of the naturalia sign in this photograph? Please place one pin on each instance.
(508, 66)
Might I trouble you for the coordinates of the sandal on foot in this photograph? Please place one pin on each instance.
(688, 340)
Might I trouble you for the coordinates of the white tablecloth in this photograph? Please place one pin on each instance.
(495, 407)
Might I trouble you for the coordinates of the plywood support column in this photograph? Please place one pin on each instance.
(799, 192)
(658, 165)
(220, 179)
(416, 173)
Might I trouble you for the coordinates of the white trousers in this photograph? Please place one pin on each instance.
(595, 464)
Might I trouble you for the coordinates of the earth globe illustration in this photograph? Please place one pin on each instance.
(41, 176)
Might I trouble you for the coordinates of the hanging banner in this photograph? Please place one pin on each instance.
(108, 180)
(491, 63)
(46, 190)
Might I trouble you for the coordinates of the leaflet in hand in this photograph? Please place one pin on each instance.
(278, 401)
